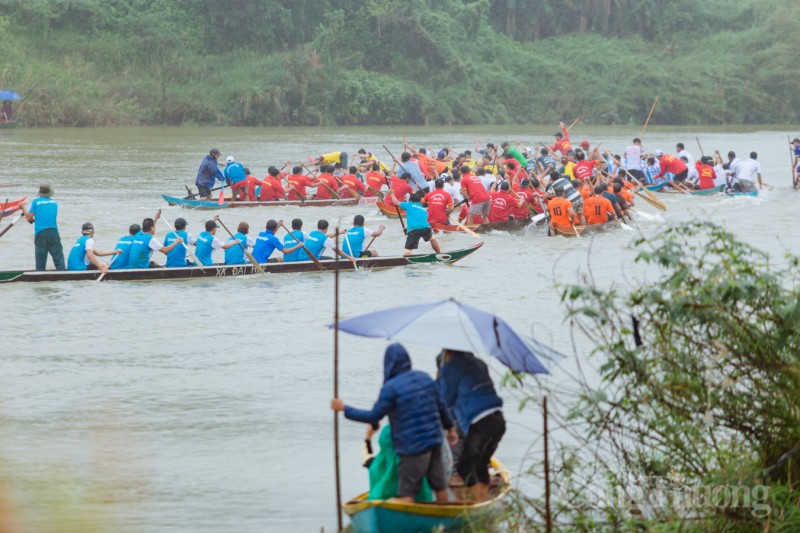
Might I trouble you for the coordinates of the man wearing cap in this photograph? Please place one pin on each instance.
(208, 173)
(237, 177)
(83, 256)
(796, 163)
(144, 244)
(585, 146)
(177, 256)
(562, 141)
(207, 242)
(43, 214)
(123, 246)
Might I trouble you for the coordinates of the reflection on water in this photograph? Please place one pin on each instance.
(207, 399)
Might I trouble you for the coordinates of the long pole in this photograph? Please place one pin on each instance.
(649, 115)
(336, 384)
(698, 145)
(548, 518)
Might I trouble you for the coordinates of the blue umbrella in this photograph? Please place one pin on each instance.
(9, 95)
(451, 324)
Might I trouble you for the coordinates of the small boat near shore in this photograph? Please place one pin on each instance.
(212, 204)
(389, 516)
(227, 271)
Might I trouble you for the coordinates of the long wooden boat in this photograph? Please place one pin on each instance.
(224, 271)
(506, 225)
(569, 231)
(212, 204)
(390, 211)
(741, 193)
(655, 186)
(389, 516)
(700, 192)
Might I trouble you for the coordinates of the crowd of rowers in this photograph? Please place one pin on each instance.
(136, 249)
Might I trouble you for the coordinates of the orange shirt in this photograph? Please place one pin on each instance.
(375, 180)
(559, 211)
(354, 186)
(596, 210)
(322, 192)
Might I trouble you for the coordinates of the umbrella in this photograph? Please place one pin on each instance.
(451, 324)
(9, 95)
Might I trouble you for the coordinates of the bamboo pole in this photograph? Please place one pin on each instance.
(548, 517)
(336, 385)
(649, 115)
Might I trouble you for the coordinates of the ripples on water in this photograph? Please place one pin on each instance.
(203, 405)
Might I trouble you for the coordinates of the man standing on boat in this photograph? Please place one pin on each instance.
(236, 176)
(43, 214)
(633, 159)
(747, 170)
(208, 173)
(562, 141)
(468, 391)
(796, 162)
(83, 256)
(417, 415)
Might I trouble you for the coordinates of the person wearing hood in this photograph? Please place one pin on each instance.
(208, 173)
(416, 413)
(468, 391)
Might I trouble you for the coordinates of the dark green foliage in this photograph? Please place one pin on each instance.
(709, 399)
(401, 61)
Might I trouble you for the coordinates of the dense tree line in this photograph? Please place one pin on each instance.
(284, 62)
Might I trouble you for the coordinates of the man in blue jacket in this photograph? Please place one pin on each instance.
(208, 173)
(468, 391)
(417, 415)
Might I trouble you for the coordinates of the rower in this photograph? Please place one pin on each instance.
(318, 241)
(327, 183)
(512, 152)
(207, 242)
(267, 242)
(670, 163)
(560, 209)
(412, 168)
(234, 255)
(293, 239)
(332, 158)
(298, 183)
(352, 187)
(561, 144)
(598, 209)
(570, 193)
(400, 189)
(503, 202)
(375, 179)
(271, 188)
(124, 245)
(144, 243)
(83, 256)
(417, 225)
(354, 238)
(176, 258)
(478, 197)
(439, 203)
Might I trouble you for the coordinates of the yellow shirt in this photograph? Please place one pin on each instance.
(371, 157)
(568, 169)
(331, 158)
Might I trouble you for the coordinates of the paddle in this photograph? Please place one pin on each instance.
(795, 175)
(646, 216)
(650, 198)
(103, 274)
(243, 247)
(3, 212)
(186, 246)
(352, 259)
(649, 115)
(698, 145)
(222, 193)
(335, 195)
(578, 235)
(306, 250)
(10, 225)
(391, 193)
(573, 123)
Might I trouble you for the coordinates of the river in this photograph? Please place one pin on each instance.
(203, 405)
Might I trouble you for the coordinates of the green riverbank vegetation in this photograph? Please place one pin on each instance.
(385, 62)
(694, 424)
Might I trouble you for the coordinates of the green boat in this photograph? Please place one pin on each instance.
(227, 271)
(701, 192)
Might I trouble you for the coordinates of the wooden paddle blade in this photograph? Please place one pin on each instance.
(655, 202)
(254, 262)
